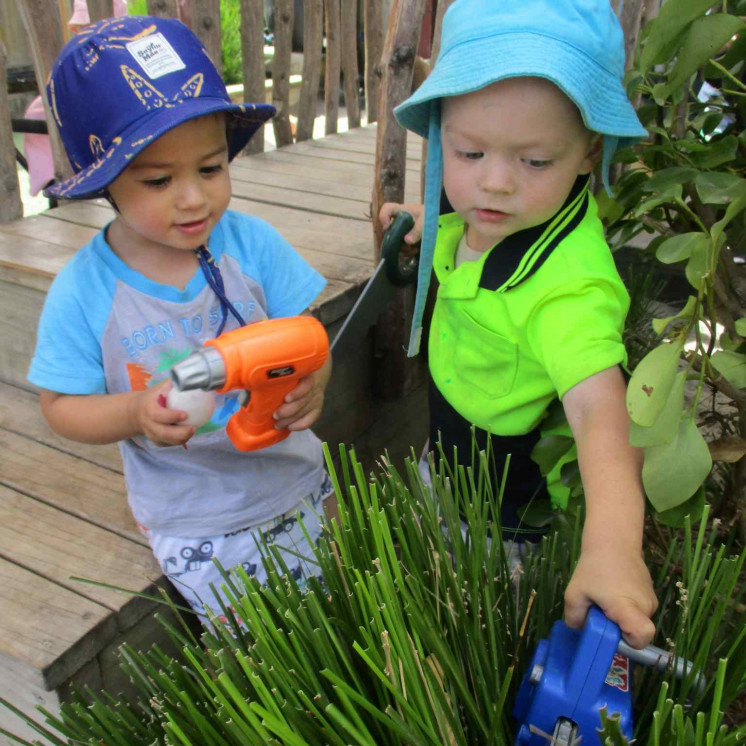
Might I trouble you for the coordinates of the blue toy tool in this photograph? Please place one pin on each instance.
(574, 674)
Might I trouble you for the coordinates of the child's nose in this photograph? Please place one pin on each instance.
(497, 176)
(191, 194)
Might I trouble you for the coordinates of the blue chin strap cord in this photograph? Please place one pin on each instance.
(433, 183)
(215, 281)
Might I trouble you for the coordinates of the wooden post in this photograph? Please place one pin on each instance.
(252, 51)
(100, 9)
(332, 25)
(395, 373)
(349, 62)
(43, 24)
(397, 64)
(163, 8)
(206, 24)
(313, 17)
(281, 71)
(373, 33)
(11, 207)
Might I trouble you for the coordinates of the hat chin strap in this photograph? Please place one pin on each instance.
(433, 185)
(611, 144)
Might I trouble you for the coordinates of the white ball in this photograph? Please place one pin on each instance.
(198, 404)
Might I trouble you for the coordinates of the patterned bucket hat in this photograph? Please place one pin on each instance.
(124, 82)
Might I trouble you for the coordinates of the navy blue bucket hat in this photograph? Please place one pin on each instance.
(576, 44)
(123, 83)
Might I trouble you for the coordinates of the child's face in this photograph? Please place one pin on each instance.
(176, 190)
(511, 153)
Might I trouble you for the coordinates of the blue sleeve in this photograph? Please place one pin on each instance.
(68, 356)
(289, 282)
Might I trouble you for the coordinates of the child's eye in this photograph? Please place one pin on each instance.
(207, 170)
(470, 155)
(161, 181)
(536, 162)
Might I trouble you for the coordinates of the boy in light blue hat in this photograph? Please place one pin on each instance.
(524, 97)
(148, 124)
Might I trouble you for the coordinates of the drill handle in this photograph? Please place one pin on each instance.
(253, 426)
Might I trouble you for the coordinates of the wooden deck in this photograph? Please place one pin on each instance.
(63, 511)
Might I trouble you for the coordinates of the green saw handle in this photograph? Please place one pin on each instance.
(401, 271)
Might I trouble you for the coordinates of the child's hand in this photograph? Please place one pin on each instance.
(303, 404)
(391, 209)
(158, 423)
(619, 583)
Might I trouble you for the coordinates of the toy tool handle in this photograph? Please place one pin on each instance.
(253, 426)
(401, 271)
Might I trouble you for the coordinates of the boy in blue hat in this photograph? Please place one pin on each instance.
(148, 124)
(523, 97)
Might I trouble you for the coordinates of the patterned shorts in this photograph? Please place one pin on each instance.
(188, 563)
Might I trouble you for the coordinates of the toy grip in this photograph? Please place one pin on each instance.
(253, 426)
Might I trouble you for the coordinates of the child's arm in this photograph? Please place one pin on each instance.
(390, 210)
(304, 403)
(611, 572)
(108, 418)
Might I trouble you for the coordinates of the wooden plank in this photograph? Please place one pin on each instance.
(11, 207)
(45, 654)
(100, 9)
(398, 67)
(77, 487)
(292, 183)
(28, 255)
(43, 24)
(281, 71)
(21, 308)
(373, 32)
(313, 16)
(348, 34)
(163, 8)
(58, 546)
(45, 228)
(331, 153)
(20, 413)
(252, 65)
(318, 203)
(333, 65)
(364, 145)
(205, 22)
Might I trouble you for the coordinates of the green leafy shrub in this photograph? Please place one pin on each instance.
(685, 189)
(418, 635)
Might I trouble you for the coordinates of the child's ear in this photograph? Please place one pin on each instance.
(593, 155)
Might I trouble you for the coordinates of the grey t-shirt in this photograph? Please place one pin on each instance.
(106, 328)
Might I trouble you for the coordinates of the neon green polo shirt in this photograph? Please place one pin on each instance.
(539, 312)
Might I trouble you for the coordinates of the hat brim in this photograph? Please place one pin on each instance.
(597, 92)
(92, 181)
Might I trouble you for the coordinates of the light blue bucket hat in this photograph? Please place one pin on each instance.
(576, 44)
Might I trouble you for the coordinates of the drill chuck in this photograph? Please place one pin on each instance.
(203, 369)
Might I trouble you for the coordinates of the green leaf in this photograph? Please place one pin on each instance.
(718, 188)
(538, 513)
(704, 39)
(716, 152)
(741, 326)
(666, 426)
(549, 450)
(669, 177)
(674, 471)
(671, 194)
(731, 366)
(651, 383)
(737, 205)
(676, 517)
(678, 248)
(698, 263)
(663, 37)
(659, 325)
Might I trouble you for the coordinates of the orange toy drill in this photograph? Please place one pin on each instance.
(266, 358)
